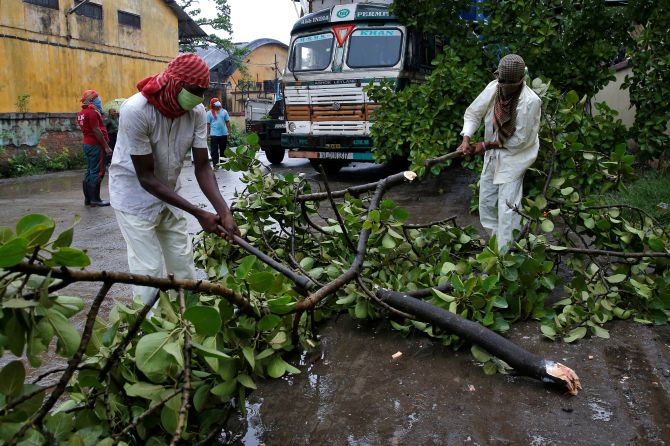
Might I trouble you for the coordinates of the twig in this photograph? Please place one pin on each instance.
(38, 417)
(601, 252)
(345, 233)
(432, 223)
(380, 302)
(150, 411)
(186, 388)
(23, 398)
(305, 216)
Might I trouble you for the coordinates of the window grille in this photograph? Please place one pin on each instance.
(53, 4)
(90, 10)
(129, 19)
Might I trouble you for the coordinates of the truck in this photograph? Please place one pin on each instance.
(333, 55)
(266, 118)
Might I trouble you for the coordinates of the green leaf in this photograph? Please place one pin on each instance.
(361, 310)
(209, 352)
(206, 320)
(143, 390)
(67, 256)
(200, 397)
(616, 278)
(277, 367)
(253, 139)
(656, 244)
(12, 252)
(225, 389)
(59, 425)
(575, 334)
(169, 419)
(547, 225)
(548, 331)
(246, 381)
(150, 356)
(400, 214)
(244, 267)
(68, 305)
(480, 354)
(307, 263)
(248, 353)
(12, 378)
(65, 237)
(68, 336)
(388, 242)
(600, 332)
(260, 281)
(269, 322)
(36, 229)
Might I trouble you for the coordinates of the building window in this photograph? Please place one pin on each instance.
(53, 4)
(90, 10)
(129, 19)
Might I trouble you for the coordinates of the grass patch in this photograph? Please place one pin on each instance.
(651, 192)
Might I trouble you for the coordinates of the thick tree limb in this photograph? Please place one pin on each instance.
(523, 361)
(200, 286)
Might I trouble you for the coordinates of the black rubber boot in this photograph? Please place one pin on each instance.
(94, 194)
(87, 198)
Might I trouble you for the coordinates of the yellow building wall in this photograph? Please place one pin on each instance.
(53, 59)
(260, 67)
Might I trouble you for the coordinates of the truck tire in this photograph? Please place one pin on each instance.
(331, 167)
(274, 154)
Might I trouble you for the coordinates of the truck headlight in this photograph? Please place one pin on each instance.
(291, 127)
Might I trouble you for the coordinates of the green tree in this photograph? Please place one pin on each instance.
(219, 23)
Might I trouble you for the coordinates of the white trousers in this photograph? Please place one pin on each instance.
(496, 205)
(157, 248)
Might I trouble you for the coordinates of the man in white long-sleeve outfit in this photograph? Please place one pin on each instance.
(511, 113)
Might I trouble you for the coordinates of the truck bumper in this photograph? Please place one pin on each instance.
(355, 148)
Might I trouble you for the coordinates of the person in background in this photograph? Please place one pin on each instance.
(157, 128)
(511, 112)
(96, 145)
(218, 128)
(112, 125)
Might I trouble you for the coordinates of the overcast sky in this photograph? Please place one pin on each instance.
(256, 19)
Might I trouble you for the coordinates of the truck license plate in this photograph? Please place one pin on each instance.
(336, 155)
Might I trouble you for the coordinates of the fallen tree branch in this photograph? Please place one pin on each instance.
(601, 252)
(357, 190)
(162, 283)
(523, 361)
(354, 269)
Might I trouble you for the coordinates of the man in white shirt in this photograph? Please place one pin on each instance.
(157, 128)
(511, 112)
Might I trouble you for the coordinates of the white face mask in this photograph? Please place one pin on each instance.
(217, 104)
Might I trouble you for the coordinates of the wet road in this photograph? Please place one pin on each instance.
(352, 392)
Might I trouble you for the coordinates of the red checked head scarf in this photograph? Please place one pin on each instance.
(211, 106)
(87, 98)
(162, 90)
(511, 71)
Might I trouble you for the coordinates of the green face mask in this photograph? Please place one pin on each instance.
(187, 100)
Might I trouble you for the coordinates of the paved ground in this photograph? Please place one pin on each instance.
(352, 392)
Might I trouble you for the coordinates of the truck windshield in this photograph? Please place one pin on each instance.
(374, 48)
(312, 52)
